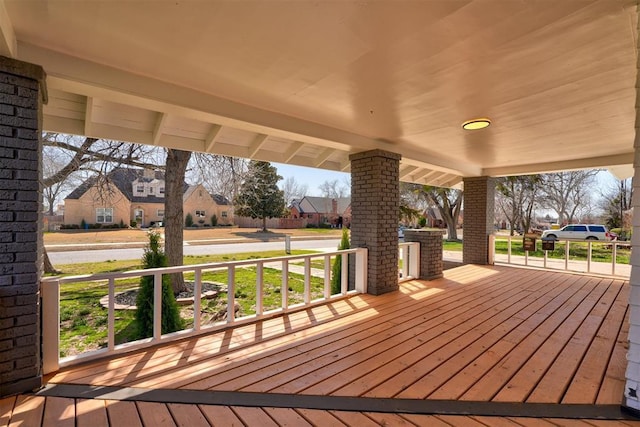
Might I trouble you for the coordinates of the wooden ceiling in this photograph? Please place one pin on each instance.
(310, 82)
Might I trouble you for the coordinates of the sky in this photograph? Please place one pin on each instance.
(312, 177)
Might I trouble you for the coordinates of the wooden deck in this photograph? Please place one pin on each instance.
(482, 346)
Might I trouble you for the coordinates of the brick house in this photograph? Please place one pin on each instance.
(125, 195)
(323, 210)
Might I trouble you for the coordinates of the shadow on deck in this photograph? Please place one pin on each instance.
(481, 346)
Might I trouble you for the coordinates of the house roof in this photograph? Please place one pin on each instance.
(123, 179)
(324, 204)
(310, 83)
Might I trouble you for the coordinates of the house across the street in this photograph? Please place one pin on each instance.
(127, 196)
(323, 210)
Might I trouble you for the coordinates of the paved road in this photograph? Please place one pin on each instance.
(99, 255)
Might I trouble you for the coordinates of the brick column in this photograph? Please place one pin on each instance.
(479, 195)
(375, 203)
(21, 95)
(430, 240)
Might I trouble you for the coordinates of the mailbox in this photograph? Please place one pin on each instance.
(548, 244)
(529, 243)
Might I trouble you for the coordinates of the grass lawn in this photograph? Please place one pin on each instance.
(84, 320)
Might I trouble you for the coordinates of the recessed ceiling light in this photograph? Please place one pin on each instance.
(476, 124)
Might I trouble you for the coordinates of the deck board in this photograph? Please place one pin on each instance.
(497, 334)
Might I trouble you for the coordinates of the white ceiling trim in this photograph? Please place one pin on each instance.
(8, 42)
(548, 167)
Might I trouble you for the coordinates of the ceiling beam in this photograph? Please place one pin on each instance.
(158, 128)
(563, 165)
(211, 138)
(255, 146)
(292, 151)
(407, 170)
(324, 156)
(88, 116)
(8, 42)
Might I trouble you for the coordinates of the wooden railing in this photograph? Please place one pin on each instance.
(571, 259)
(51, 297)
(409, 260)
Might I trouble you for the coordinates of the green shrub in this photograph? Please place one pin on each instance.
(133, 223)
(188, 220)
(214, 220)
(154, 257)
(83, 224)
(336, 270)
(422, 222)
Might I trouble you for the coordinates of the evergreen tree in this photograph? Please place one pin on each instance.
(259, 195)
(336, 270)
(154, 257)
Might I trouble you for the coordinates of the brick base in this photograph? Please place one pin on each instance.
(431, 264)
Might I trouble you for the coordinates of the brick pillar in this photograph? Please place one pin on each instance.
(430, 240)
(375, 203)
(479, 195)
(21, 94)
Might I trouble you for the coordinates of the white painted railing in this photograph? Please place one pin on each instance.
(567, 262)
(409, 260)
(51, 299)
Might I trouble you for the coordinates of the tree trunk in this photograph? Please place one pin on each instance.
(48, 267)
(264, 224)
(176, 167)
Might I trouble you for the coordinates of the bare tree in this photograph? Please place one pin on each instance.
(83, 154)
(615, 202)
(293, 190)
(221, 175)
(516, 199)
(449, 202)
(334, 189)
(566, 192)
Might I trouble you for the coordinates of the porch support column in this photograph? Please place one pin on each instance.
(632, 387)
(479, 195)
(375, 203)
(22, 92)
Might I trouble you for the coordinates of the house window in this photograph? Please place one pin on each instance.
(140, 189)
(224, 214)
(160, 213)
(150, 190)
(201, 214)
(104, 215)
(161, 190)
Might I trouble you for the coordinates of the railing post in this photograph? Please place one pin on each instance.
(157, 306)
(404, 250)
(361, 270)
(614, 255)
(327, 276)
(231, 290)
(259, 289)
(111, 316)
(344, 274)
(589, 256)
(414, 260)
(197, 302)
(492, 249)
(509, 249)
(50, 294)
(307, 280)
(284, 290)
(566, 255)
